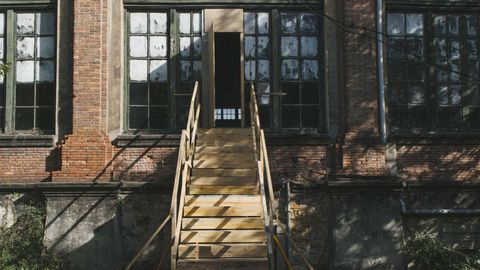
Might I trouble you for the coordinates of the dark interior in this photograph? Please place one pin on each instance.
(227, 79)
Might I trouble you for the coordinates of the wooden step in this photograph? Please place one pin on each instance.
(229, 131)
(223, 264)
(222, 236)
(227, 163)
(223, 190)
(224, 149)
(222, 211)
(228, 223)
(213, 172)
(222, 200)
(240, 157)
(223, 181)
(222, 251)
(235, 141)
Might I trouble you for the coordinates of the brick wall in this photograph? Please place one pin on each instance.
(27, 164)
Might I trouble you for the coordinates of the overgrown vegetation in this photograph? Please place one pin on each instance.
(21, 245)
(4, 69)
(427, 252)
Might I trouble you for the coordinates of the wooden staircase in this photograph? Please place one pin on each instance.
(222, 224)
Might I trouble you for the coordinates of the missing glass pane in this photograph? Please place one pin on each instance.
(291, 117)
(138, 94)
(158, 118)
(158, 94)
(46, 119)
(25, 95)
(24, 118)
(292, 93)
(45, 94)
(138, 117)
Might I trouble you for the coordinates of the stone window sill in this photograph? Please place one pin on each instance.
(27, 140)
(147, 140)
(463, 138)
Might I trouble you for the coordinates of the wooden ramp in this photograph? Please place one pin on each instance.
(222, 225)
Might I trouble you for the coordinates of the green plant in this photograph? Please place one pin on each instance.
(21, 245)
(4, 69)
(427, 252)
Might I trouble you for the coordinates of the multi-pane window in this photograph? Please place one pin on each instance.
(300, 70)
(2, 79)
(257, 52)
(148, 84)
(190, 60)
(35, 72)
(433, 72)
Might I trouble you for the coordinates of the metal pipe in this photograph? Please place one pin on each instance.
(380, 71)
(437, 211)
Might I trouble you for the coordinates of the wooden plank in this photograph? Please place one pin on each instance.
(247, 142)
(219, 264)
(223, 172)
(223, 164)
(218, 190)
(221, 211)
(222, 223)
(224, 149)
(223, 236)
(228, 131)
(222, 200)
(246, 156)
(223, 181)
(222, 251)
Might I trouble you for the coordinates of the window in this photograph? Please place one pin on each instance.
(30, 83)
(433, 72)
(300, 71)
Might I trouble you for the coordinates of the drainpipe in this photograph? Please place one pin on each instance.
(380, 70)
(438, 211)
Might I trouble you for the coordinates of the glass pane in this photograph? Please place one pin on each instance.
(396, 24)
(292, 93)
(250, 70)
(472, 70)
(197, 46)
(24, 95)
(138, 46)
(455, 72)
(263, 23)
(472, 25)
(291, 117)
(46, 119)
(440, 23)
(2, 23)
(289, 46)
(263, 47)
(263, 70)
(23, 118)
(158, 117)
(415, 24)
(453, 25)
(184, 23)
(138, 23)
(396, 47)
(288, 23)
(46, 94)
(185, 70)
(417, 116)
(416, 94)
(45, 71)
(264, 91)
(454, 50)
(249, 22)
(310, 117)
(440, 48)
(158, 94)
(25, 71)
(25, 47)
(1, 48)
(158, 23)
(455, 94)
(310, 69)
(396, 71)
(138, 117)
(442, 71)
(309, 46)
(197, 69)
(415, 47)
(197, 22)
(472, 118)
(25, 23)
(289, 70)
(138, 94)
(250, 46)
(308, 23)
(310, 93)
(417, 71)
(46, 47)
(45, 23)
(472, 48)
(442, 95)
(185, 46)
(138, 70)
(158, 46)
(158, 70)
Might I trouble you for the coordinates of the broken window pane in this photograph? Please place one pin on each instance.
(263, 70)
(45, 23)
(263, 23)
(415, 24)
(184, 23)
(250, 46)
(416, 94)
(309, 46)
(138, 117)
(2, 23)
(25, 71)
(263, 47)
(45, 71)
(249, 22)
(185, 46)
(197, 22)
(158, 23)
(264, 91)
(23, 118)
(289, 23)
(197, 46)
(289, 70)
(25, 94)
(289, 46)
(138, 23)
(138, 94)
(308, 23)
(440, 23)
(453, 25)
(158, 70)
(250, 68)
(46, 47)
(138, 70)
(396, 24)
(158, 46)
(25, 47)
(310, 70)
(472, 25)
(185, 70)
(46, 94)
(25, 23)
(138, 46)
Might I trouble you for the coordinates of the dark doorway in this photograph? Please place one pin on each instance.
(227, 80)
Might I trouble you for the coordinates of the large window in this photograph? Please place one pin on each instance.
(27, 93)
(433, 72)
